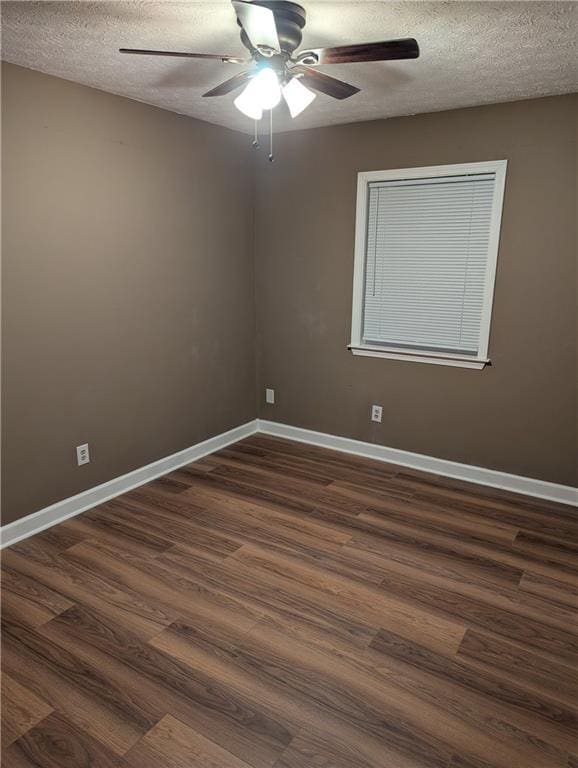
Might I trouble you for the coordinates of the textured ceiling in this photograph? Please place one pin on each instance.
(471, 53)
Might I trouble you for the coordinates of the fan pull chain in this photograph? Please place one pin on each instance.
(271, 156)
(256, 144)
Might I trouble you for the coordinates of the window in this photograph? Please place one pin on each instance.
(426, 246)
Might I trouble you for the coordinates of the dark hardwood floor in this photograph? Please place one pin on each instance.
(281, 605)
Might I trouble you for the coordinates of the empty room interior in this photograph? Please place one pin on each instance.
(289, 384)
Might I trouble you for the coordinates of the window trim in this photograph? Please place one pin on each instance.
(364, 178)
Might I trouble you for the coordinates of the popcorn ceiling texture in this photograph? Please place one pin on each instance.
(472, 53)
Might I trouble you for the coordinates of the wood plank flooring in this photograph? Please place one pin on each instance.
(276, 605)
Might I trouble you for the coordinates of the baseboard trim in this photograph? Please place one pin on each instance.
(74, 505)
(541, 489)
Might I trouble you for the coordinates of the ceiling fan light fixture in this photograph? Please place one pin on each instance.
(267, 88)
(248, 105)
(263, 92)
(297, 96)
(272, 32)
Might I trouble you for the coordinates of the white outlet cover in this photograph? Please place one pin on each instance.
(376, 413)
(82, 454)
(270, 396)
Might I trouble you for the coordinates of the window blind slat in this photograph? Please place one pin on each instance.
(426, 261)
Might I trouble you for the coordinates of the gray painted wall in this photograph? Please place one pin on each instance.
(136, 243)
(128, 312)
(517, 416)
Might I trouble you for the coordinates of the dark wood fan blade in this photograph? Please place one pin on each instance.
(231, 84)
(388, 50)
(186, 55)
(258, 23)
(317, 81)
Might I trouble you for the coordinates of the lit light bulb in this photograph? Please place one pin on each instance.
(297, 96)
(262, 92)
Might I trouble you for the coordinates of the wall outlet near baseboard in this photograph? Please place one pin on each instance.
(376, 413)
(82, 454)
(270, 396)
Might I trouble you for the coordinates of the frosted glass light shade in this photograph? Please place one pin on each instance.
(297, 96)
(248, 105)
(262, 92)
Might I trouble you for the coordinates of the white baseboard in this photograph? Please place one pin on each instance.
(74, 505)
(542, 489)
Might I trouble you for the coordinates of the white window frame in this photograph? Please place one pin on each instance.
(364, 178)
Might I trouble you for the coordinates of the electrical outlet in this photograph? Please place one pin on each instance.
(270, 396)
(82, 454)
(376, 413)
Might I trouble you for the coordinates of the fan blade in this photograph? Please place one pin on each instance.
(182, 54)
(388, 50)
(259, 25)
(231, 84)
(317, 81)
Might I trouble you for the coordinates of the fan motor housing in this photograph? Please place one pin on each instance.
(290, 19)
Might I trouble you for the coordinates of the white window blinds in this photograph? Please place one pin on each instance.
(426, 261)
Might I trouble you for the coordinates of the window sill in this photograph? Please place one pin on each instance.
(413, 356)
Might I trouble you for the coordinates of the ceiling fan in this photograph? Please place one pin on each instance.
(271, 30)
